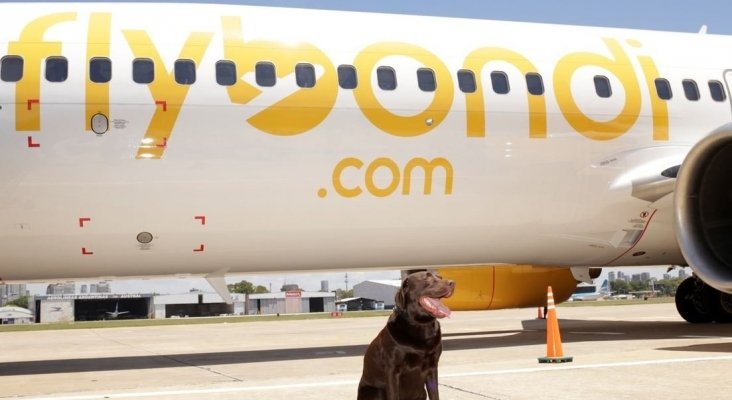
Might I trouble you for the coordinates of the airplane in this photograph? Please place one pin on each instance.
(235, 139)
(116, 313)
(588, 292)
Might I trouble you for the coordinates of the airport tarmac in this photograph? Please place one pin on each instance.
(620, 352)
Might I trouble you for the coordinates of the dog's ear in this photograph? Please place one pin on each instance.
(399, 297)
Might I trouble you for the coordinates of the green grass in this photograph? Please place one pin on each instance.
(130, 323)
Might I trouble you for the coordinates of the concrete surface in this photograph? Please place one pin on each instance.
(622, 352)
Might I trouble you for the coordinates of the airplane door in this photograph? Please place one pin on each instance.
(728, 82)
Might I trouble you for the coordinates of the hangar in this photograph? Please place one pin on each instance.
(379, 290)
(292, 302)
(103, 306)
(15, 315)
(92, 307)
(196, 304)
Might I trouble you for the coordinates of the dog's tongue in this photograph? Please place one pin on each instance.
(434, 307)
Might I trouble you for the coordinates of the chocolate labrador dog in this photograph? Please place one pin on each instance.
(402, 360)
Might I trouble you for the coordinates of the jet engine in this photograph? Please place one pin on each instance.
(703, 217)
(507, 286)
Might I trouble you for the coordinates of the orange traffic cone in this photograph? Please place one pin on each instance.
(554, 352)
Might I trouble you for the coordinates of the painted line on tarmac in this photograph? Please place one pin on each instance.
(546, 368)
(565, 367)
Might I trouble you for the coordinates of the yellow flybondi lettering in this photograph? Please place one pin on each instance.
(475, 102)
(168, 95)
(97, 94)
(297, 113)
(397, 125)
(394, 176)
(621, 67)
(371, 171)
(428, 167)
(34, 50)
(659, 108)
(349, 162)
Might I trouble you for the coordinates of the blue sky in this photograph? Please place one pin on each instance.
(683, 16)
(636, 14)
(643, 14)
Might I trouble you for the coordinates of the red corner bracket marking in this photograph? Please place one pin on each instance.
(31, 144)
(86, 252)
(31, 102)
(82, 221)
(162, 103)
(165, 143)
(200, 249)
(202, 218)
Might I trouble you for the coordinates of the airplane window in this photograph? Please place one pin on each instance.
(466, 81)
(305, 75)
(225, 73)
(602, 86)
(11, 68)
(347, 78)
(663, 89)
(426, 80)
(499, 81)
(717, 91)
(691, 91)
(100, 70)
(534, 83)
(143, 70)
(265, 74)
(386, 77)
(57, 69)
(185, 72)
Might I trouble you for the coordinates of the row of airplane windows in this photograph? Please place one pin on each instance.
(184, 71)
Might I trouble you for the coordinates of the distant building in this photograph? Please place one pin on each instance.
(360, 304)
(622, 276)
(11, 293)
(645, 277)
(611, 276)
(293, 287)
(324, 286)
(104, 287)
(84, 289)
(292, 302)
(61, 288)
(379, 290)
(666, 277)
(15, 315)
(682, 274)
(635, 278)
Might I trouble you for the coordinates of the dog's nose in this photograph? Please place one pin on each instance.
(451, 283)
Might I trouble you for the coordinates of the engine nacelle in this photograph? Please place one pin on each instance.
(703, 209)
(507, 286)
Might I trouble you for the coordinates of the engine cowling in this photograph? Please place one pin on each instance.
(703, 209)
(507, 286)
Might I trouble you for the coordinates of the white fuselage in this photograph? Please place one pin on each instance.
(246, 178)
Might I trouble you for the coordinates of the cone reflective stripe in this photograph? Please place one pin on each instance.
(554, 351)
